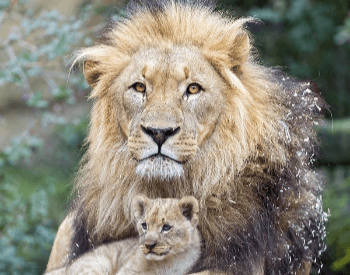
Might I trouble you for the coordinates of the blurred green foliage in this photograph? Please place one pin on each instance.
(27, 230)
(335, 137)
(310, 39)
(33, 200)
(34, 187)
(337, 200)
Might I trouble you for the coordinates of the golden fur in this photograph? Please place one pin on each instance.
(241, 145)
(164, 251)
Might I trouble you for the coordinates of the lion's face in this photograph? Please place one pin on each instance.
(166, 226)
(171, 100)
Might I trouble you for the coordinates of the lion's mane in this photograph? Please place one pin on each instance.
(252, 177)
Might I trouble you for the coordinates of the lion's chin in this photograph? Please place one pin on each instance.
(159, 168)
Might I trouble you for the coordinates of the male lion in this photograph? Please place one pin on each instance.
(169, 242)
(182, 107)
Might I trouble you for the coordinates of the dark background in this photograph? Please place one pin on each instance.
(44, 112)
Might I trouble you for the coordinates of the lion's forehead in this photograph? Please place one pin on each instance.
(176, 63)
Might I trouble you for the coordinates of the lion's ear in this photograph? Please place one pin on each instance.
(92, 72)
(240, 50)
(189, 208)
(139, 204)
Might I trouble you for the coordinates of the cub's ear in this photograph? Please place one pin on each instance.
(189, 208)
(92, 72)
(139, 204)
(240, 50)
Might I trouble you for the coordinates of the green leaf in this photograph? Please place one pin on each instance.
(62, 92)
(36, 100)
(339, 264)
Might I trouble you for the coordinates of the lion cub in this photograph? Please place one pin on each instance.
(169, 242)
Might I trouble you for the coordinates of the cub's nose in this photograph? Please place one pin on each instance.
(160, 135)
(150, 246)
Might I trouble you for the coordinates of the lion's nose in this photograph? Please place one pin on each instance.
(150, 246)
(160, 135)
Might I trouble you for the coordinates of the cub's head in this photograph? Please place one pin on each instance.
(167, 227)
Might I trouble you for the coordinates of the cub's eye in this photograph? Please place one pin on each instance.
(139, 87)
(166, 227)
(144, 226)
(194, 88)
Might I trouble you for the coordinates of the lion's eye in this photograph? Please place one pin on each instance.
(166, 227)
(194, 88)
(144, 226)
(139, 87)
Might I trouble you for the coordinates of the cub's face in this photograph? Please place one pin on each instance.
(166, 226)
(168, 102)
